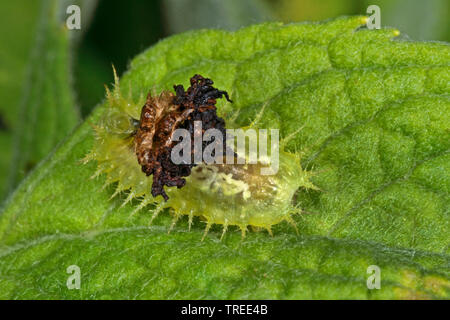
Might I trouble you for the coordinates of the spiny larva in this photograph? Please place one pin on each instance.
(133, 141)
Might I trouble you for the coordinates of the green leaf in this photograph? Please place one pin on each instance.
(47, 111)
(15, 42)
(375, 113)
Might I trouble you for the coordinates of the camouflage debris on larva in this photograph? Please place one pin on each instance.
(226, 194)
(161, 116)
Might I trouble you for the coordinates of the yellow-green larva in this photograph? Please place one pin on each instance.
(225, 194)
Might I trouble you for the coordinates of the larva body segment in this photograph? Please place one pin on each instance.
(239, 195)
(225, 194)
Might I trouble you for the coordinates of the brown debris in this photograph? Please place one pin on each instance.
(161, 116)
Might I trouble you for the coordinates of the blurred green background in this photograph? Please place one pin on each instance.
(114, 31)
